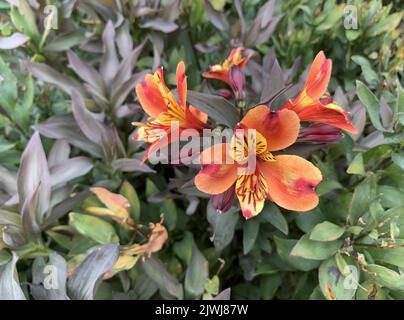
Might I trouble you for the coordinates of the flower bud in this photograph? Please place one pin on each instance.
(223, 201)
(320, 133)
(236, 80)
(225, 93)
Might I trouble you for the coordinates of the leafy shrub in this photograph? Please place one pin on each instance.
(78, 200)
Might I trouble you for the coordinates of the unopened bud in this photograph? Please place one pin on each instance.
(223, 201)
(236, 80)
(320, 133)
(225, 93)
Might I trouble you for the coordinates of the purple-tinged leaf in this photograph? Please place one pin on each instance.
(70, 169)
(9, 284)
(86, 72)
(65, 127)
(126, 88)
(217, 18)
(45, 73)
(124, 40)
(125, 69)
(273, 82)
(38, 290)
(34, 173)
(87, 276)
(269, 30)
(109, 62)
(158, 47)
(64, 207)
(88, 123)
(265, 13)
(28, 213)
(14, 41)
(59, 152)
(65, 41)
(167, 283)
(224, 295)
(386, 114)
(159, 24)
(217, 108)
(172, 11)
(131, 165)
(8, 181)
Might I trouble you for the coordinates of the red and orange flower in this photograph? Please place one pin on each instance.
(221, 71)
(287, 180)
(310, 104)
(163, 108)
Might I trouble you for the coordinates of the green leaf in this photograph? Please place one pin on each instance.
(273, 215)
(363, 195)
(65, 41)
(394, 256)
(223, 225)
(333, 284)
(370, 75)
(130, 193)
(183, 248)
(387, 24)
(24, 19)
(371, 104)
(196, 275)
(284, 248)
(386, 277)
(306, 221)
(399, 107)
(212, 285)
(315, 250)
(8, 87)
(391, 197)
(369, 290)
(326, 231)
(398, 159)
(166, 282)
(93, 227)
(357, 166)
(250, 233)
(169, 210)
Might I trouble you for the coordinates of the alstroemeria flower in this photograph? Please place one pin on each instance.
(163, 108)
(221, 71)
(287, 180)
(310, 104)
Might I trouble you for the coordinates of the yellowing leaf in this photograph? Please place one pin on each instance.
(117, 204)
(125, 262)
(156, 239)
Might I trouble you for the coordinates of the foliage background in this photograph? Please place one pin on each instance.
(72, 82)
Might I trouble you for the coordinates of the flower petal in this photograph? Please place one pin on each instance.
(218, 173)
(319, 76)
(280, 128)
(201, 116)
(181, 83)
(291, 181)
(251, 191)
(330, 114)
(218, 74)
(150, 97)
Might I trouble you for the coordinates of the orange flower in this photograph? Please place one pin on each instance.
(308, 104)
(163, 108)
(287, 180)
(220, 71)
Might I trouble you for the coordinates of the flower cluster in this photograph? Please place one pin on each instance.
(285, 179)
